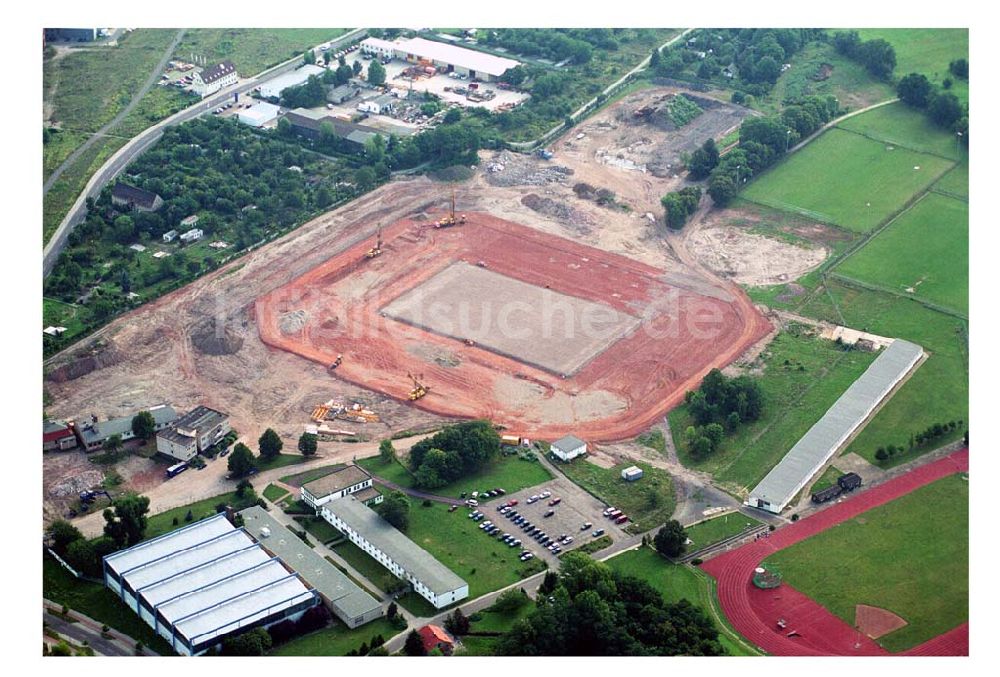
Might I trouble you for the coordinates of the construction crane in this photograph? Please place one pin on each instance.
(377, 249)
(451, 219)
(419, 389)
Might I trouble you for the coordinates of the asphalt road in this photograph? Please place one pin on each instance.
(83, 628)
(131, 150)
(133, 102)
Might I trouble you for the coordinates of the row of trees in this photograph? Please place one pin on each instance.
(258, 641)
(877, 56)
(763, 140)
(942, 108)
(595, 611)
(455, 451)
(720, 404)
(928, 435)
(242, 462)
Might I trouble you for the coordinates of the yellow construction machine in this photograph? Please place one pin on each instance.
(451, 219)
(377, 249)
(419, 389)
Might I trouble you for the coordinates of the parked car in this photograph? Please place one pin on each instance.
(525, 557)
(598, 532)
(549, 513)
(472, 503)
(545, 494)
(555, 501)
(512, 501)
(607, 511)
(453, 508)
(566, 541)
(586, 525)
(532, 499)
(621, 519)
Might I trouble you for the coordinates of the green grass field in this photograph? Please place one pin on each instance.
(718, 529)
(366, 565)
(274, 493)
(510, 473)
(939, 389)
(319, 528)
(836, 177)
(902, 126)
(280, 461)
(955, 182)
(163, 522)
(253, 49)
(927, 51)
(847, 80)
(928, 529)
(925, 250)
(96, 601)
(676, 582)
(802, 377)
(648, 502)
(336, 639)
(456, 541)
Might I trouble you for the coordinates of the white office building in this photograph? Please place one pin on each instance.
(569, 447)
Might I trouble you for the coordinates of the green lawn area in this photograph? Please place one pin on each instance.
(648, 502)
(280, 461)
(495, 621)
(836, 176)
(274, 493)
(336, 639)
(803, 375)
(163, 522)
(60, 314)
(676, 582)
(417, 605)
(307, 476)
(484, 562)
(253, 49)
(925, 250)
(318, 527)
(826, 480)
(510, 473)
(927, 51)
(366, 565)
(477, 645)
(902, 126)
(96, 601)
(955, 182)
(718, 529)
(592, 546)
(939, 389)
(927, 529)
(847, 80)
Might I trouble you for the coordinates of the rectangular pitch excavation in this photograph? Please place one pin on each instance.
(553, 331)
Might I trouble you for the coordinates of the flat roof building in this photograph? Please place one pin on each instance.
(345, 599)
(192, 433)
(259, 114)
(840, 421)
(469, 62)
(309, 123)
(273, 88)
(432, 580)
(569, 447)
(197, 584)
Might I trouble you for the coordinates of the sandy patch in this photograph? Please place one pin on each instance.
(753, 259)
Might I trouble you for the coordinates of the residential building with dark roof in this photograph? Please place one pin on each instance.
(309, 124)
(131, 197)
(192, 433)
(212, 79)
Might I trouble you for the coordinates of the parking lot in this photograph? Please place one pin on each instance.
(436, 85)
(575, 507)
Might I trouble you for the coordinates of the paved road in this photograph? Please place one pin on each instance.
(83, 628)
(117, 162)
(133, 102)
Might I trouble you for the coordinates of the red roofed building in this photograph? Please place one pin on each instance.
(57, 435)
(435, 637)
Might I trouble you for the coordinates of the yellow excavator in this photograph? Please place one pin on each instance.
(419, 389)
(377, 249)
(451, 219)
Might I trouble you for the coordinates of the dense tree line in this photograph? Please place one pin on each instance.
(752, 56)
(764, 139)
(595, 611)
(703, 161)
(720, 403)
(942, 108)
(395, 509)
(877, 56)
(455, 451)
(556, 44)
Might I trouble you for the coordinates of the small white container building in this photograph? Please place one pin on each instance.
(569, 447)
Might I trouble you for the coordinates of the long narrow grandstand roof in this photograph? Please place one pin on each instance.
(849, 411)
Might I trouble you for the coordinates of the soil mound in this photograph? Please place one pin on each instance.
(100, 356)
(213, 337)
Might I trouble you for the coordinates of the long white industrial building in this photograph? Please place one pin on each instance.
(840, 421)
(197, 584)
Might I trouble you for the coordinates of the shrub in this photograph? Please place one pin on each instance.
(697, 561)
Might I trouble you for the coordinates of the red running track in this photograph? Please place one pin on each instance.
(754, 612)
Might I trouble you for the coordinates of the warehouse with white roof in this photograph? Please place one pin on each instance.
(197, 584)
(446, 58)
(847, 414)
(259, 114)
